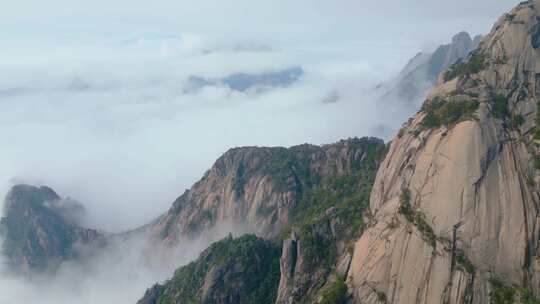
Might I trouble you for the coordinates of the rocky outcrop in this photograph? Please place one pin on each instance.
(421, 73)
(38, 230)
(262, 187)
(232, 271)
(456, 200)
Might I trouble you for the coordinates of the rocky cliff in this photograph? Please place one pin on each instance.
(456, 201)
(39, 230)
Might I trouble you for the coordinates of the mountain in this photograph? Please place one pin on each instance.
(310, 201)
(263, 188)
(39, 230)
(455, 202)
(421, 72)
(232, 271)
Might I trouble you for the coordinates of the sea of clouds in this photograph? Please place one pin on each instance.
(113, 125)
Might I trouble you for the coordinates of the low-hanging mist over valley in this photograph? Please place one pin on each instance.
(307, 152)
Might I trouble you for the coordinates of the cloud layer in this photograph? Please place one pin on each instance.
(112, 125)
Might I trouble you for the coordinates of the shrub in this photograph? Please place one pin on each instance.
(476, 63)
(463, 261)
(504, 294)
(336, 294)
(439, 112)
(416, 218)
(381, 297)
(517, 120)
(405, 207)
(536, 160)
(500, 293)
(500, 107)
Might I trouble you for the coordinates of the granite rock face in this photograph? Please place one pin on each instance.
(456, 201)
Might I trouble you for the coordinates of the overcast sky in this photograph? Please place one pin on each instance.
(92, 100)
(324, 21)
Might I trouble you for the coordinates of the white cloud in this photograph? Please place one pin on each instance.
(119, 273)
(108, 123)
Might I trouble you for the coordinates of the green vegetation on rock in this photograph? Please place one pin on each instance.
(504, 294)
(245, 269)
(476, 63)
(500, 107)
(336, 293)
(338, 200)
(448, 113)
(416, 218)
(464, 262)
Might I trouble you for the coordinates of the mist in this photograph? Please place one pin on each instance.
(94, 100)
(118, 273)
(112, 125)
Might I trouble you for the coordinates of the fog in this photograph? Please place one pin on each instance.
(96, 101)
(111, 124)
(118, 274)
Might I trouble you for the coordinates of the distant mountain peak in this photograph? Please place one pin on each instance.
(462, 37)
(38, 229)
(421, 72)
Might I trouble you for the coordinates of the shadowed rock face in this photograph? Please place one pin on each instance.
(455, 202)
(37, 231)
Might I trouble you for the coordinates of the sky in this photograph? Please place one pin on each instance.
(309, 20)
(93, 94)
